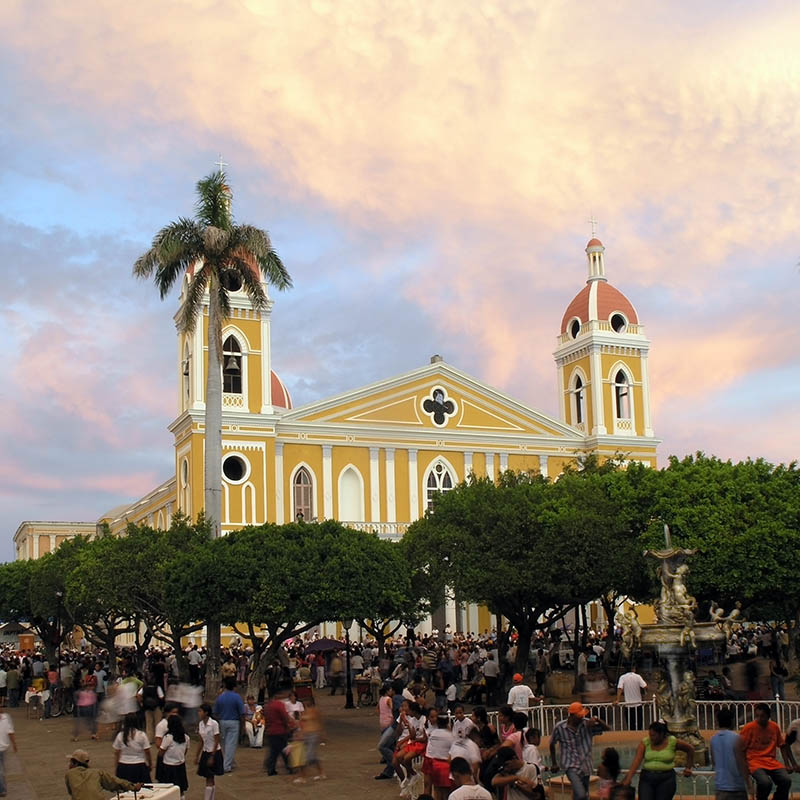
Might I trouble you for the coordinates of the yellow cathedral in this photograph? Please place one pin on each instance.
(374, 457)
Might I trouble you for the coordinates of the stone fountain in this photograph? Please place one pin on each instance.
(675, 635)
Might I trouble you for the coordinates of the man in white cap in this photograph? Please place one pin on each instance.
(84, 783)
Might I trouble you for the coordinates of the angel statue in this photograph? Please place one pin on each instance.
(664, 701)
(717, 613)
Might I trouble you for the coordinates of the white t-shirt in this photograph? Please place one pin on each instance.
(519, 697)
(195, 658)
(293, 708)
(133, 751)
(470, 793)
(632, 684)
(174, 752)
(528, 773)
(2, 678)
(462, 727)
(161, 728)
(467, 749)
(208, 729)
(6, 727)
(531, 755)
(450, 692)
(440, 740)
(491, 669)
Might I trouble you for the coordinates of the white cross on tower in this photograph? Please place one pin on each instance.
(221, 163)
(593, 222)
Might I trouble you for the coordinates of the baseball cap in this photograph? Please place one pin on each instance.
(578, 709)
(79, 755)
(517, 677)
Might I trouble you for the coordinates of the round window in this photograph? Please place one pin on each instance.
(235, 468)
(618, 323)
(575, 328)
(231, 281)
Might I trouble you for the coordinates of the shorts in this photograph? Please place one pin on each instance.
(414, 749)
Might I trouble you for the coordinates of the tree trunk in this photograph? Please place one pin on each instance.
(524, 637)
(213, 468)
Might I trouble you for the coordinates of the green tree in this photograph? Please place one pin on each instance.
(215, 251)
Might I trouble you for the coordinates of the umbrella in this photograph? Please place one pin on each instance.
(323, 645)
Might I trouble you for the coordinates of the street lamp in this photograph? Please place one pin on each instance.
(348, 623)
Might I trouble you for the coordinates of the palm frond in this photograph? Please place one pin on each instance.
(214, 201)
(193, 301)
(245, 266)
(175, 248)
(257, 241)
(223, 298)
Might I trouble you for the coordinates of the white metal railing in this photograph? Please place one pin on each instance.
(620, 717)
(385, 530)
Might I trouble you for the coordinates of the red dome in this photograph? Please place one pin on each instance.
(607, 299)
(280, 394)
(594, 243)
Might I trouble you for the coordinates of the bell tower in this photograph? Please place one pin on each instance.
(602, 360)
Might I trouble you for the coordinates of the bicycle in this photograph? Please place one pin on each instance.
(62, 701)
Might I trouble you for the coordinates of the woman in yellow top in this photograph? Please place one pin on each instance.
(657, 751)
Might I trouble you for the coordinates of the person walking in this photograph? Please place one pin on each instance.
(209, 752)
(728, 759)
(630, 687)
(277, 727)
(7, 739)
(132, 751)
(541, 669)
(520, 694)
(761, 739)
(574, 739)
(229, 711)
(491, 671)
(656, 756)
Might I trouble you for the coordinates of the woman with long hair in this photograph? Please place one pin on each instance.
(173, 750)
(209, 752)
(132, 751)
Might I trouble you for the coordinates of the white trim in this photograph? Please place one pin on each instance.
(327, 482)
(253, 518)
(599, 427)
(279, 507)
(245, 350)
(543, 465)
(568, 329)
(572, 397)
(503, 462)
(357, 471)
(374, 485)
(592, 300)
(489, 459)
(624, 425)
(447, 398)
(313, 476)
(413, 485)
(198, 394)
(624, 317)
(391, 505)
(266, 363)
(648, 422)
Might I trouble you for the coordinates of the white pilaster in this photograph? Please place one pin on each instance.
(52, 543)
(490, 465)
(266, 365)
(543, 466)
(374, 485)
(648, 424)
(391, 503)
(503, 462)
(450, 615)
(599, 428)
(279, 515)
(562, 413)
(413, 486)
(36, 545)
(197, 371)
(473, 619)
(467, 463)
(327, 482)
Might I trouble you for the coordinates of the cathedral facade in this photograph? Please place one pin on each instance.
(375, 456)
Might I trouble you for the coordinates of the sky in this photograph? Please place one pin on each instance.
(426, 171)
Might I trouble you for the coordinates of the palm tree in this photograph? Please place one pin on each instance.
(214, 250)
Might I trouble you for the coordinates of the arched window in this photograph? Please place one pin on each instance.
(579, 402)
(231, 366)
(351, 495)
(439, 480)
(303, 494)
(622, 404)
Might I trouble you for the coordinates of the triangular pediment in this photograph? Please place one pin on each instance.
(435, 397)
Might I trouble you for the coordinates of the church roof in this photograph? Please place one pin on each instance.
(598, 300)
(280, 394)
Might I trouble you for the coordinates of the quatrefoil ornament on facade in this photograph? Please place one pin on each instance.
(439, 406)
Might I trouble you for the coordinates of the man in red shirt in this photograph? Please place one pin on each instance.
(761, 740)
(277, 727)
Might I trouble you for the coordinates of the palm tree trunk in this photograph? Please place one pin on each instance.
(213, 468)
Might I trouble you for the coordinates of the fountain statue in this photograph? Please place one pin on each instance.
(675, 634)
